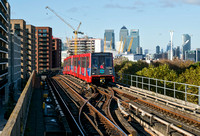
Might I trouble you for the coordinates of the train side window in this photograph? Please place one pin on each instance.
(87, 62)
(67, 64)
(108, 62)
(74, 61)
(83, 62)
(94, 62)
(70, 61)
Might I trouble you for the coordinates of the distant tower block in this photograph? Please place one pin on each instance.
(171, 35)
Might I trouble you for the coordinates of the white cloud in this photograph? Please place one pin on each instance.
(196, 2)
(193, 2)
(119, 6)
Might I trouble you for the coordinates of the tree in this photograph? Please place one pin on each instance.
(191, 76)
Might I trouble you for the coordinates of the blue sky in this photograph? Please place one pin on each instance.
(154, 18)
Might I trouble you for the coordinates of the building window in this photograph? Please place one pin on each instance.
(17, 32)
(39, 30)
(44, 30)
(17, 26)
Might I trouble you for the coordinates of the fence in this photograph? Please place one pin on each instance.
(17, 121)
(182, 91)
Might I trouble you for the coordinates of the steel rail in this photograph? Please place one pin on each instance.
(59, 96)
(110, 126)
(137, 110)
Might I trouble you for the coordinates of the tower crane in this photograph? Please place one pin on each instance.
(75, 31)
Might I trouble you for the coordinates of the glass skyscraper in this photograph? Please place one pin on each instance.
(109, 34)
(134, 33)
(124, 35)
(186, 44)
(136, 40)
(158, 49)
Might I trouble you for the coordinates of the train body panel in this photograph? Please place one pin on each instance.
(91, 67)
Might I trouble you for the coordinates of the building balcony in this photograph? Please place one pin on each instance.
(42, 44)
(43, 52)
(3, 26)
(4, 5)
(43, 32)
(3, 37)
(43, 48)
(29, 49)
(3, 71)
(3, 48)
(17, 27)
(3, 82)
(3, 14)
(43, 56)
(44, 65)
(2, 60)
(29, 64)
(43, 60)
(44, 36)
(43, 40)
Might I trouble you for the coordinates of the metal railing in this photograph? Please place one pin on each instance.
(17, 121)
(182, 91)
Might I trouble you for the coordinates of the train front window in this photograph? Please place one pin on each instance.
(108, 62)
(102, 62)
(94, 62)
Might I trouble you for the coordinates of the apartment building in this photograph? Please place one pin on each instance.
(4, 30)
(18, 26)
(56, 53)
(14, 63)
(43, 49)
(31, 41)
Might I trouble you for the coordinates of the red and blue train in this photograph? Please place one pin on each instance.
(92, 67)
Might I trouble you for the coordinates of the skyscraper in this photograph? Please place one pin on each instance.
(146, 51)
(168, 46)
(158, 49)
(177, 52)
(136, 40)
(124, 35)
(110, 35)
(193, 55)
(139, 50)
(186, 44)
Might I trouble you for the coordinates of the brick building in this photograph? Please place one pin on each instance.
(56, 53)
(43, 48)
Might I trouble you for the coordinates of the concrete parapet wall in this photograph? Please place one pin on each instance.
(17, 121)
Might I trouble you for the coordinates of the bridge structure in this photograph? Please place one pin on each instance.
(173, 93)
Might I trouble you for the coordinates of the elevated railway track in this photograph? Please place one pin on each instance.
(116, 111)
